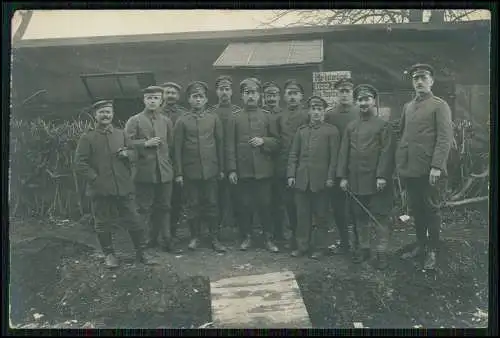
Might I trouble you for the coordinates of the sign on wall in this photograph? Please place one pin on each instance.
(323, 84)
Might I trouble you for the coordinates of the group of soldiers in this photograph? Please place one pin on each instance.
(228, 163)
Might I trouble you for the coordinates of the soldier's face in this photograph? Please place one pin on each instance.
(224, 93)
(153, 101)
(293, 97)
(272, 98)
(104, 115)
(345, 95)
(317, 112)
(171, 95)
(366, 103)
(422, 83)
(250, 97)
(197, 100)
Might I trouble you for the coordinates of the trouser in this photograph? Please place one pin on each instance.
(153, 200)
(341, 213)
(278, 187)
(311, 205)
(253, 195)
(423, 201)
(121, 210)
(201, 205)
(177, 208)
(285, 199)
(225, 203)
(379, 205)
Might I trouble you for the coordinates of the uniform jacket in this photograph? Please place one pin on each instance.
(288, 122)
(224, 112)
(241, 157)
(340, 116)
(198, 145)
(313, 156)
(96, 159)
(426, 136)
(366, 153)
(173, 112)
(273, 110)
(154, 164)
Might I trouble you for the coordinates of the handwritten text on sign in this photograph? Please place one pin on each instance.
(323, 84)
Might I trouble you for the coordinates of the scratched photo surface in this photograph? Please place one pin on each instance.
(249, 169)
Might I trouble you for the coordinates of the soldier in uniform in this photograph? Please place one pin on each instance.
(340, 115)
(102, 156)
(151, 133)
(224, 109)
(366, 164)
(288, 122)
(272, 97)
(421, 156)
(199, 151)
(251, 140)
(173, 110)
(311, 170)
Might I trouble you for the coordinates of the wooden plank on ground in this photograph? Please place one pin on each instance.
(270, 300)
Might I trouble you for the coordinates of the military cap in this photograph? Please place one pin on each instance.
(100, 104)
(152, 89)
(343, 82)
(223, 79)
(293, 83)
(271, 87)
(421, 69)
(316, 99)
(249, 82)
(196, 86)
(173, 85)
(365, 90)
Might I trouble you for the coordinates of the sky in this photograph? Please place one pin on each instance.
(50, 24)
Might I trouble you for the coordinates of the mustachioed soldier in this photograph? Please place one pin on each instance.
(421, 157)
(366, 164)
(251, 140)
(199, 163)
(103, 156)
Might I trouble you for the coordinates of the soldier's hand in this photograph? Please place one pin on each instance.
(233, 178)
(122, 153)
(381, 183)
(221, 175)
(152, 142)
(256, 141)
(344, 184)
(179, 180)
(291, 182)
(434, 176)
(329, 183)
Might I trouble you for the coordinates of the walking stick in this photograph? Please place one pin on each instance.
(365, 209)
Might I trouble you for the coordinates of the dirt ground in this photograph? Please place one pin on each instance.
(57, 280)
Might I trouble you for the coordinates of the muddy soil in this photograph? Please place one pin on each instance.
(57, 280)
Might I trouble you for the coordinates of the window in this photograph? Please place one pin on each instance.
(116, 85)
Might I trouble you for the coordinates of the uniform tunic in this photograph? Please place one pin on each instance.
(312, 161)
(173, 111)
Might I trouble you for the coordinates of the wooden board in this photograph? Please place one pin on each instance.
(270, 300)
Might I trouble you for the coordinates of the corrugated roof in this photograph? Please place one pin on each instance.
(263, 54)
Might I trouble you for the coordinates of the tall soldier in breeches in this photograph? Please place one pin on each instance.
(421, 157)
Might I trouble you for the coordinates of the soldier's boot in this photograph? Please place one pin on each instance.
(382, 262)
(297, 253)
(361, 255)
(246, 243)
(137, 238)
(194, 227)
(316, 240)
(270, 244)
(106, 242)
(168, 241)
(218, 246)
(430, 261)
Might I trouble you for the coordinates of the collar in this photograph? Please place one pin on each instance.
(199, 115)
(153, 115)
(315, 125)
(420, 98)
(104, 130)
(366, 117)
(220, 104)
